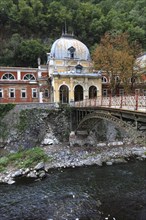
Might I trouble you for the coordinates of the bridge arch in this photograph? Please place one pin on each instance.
(128, 128)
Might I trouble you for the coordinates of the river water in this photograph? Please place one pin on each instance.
(85, 193)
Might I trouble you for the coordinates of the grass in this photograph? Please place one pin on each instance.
(24, 159)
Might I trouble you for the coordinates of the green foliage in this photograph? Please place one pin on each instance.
(5, 108)
(23, 22)
(24, 158)
(28, 52)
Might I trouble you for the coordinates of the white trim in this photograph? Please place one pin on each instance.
(8, 78)
(24, 92)
(29, 79)
(32, 92)
(104, 78)
(11, 90)
(18, 75)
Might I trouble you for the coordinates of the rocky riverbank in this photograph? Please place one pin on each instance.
(64, 156)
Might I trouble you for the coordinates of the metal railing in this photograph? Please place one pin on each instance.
(134, 103)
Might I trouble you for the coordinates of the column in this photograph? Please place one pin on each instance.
(18, 75)
(86, 93)
(71, 92)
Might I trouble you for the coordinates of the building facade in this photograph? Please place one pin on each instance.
(21, 85)
(71, 71)
(68, 76)
(138, 83)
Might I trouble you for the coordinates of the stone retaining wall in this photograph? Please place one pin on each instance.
(24, 106)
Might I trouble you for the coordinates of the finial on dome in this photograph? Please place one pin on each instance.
(65, 32)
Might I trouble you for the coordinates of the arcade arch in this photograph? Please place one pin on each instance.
(64, 94)
(78, 93)
(92, 92)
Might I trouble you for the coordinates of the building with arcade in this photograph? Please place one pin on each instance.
(68, 76)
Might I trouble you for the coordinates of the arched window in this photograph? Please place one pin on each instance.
(29, 77)
(78, 93)
(72, 52)
(8, 76)
(64, 94)
(92, 92)
(104, 79)
(117, 79)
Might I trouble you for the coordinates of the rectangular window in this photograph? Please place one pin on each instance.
(144, 92)
(23, 93)
(46, 94)
(11, 93)
(121, 92)
(1, 93)
(104, 92)
(34, 93)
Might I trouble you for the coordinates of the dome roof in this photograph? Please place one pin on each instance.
(69, 47)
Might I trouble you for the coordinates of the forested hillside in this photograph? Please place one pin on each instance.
(28, 27)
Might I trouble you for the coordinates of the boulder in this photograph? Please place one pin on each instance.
(49, 139)
(39, 166)
(42, 174)
(109, 163)
(32, 174)
(17, 173)
(10, 181)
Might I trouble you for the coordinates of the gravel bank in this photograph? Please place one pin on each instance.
(65, 156)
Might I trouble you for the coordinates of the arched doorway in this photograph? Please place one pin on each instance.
(64, 94)
(92, 92)
(78, 93)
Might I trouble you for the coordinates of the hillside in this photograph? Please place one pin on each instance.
(28, 27)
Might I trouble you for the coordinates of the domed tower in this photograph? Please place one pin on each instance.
(71, 70)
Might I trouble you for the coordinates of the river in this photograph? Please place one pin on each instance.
(84, 193)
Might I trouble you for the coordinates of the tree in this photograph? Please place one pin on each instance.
(116, 56)
(28, 53)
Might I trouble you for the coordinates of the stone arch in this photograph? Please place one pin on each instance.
(92, 92)
(78, 93)
(64, 94)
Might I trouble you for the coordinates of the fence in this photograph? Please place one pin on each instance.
(134, 103)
